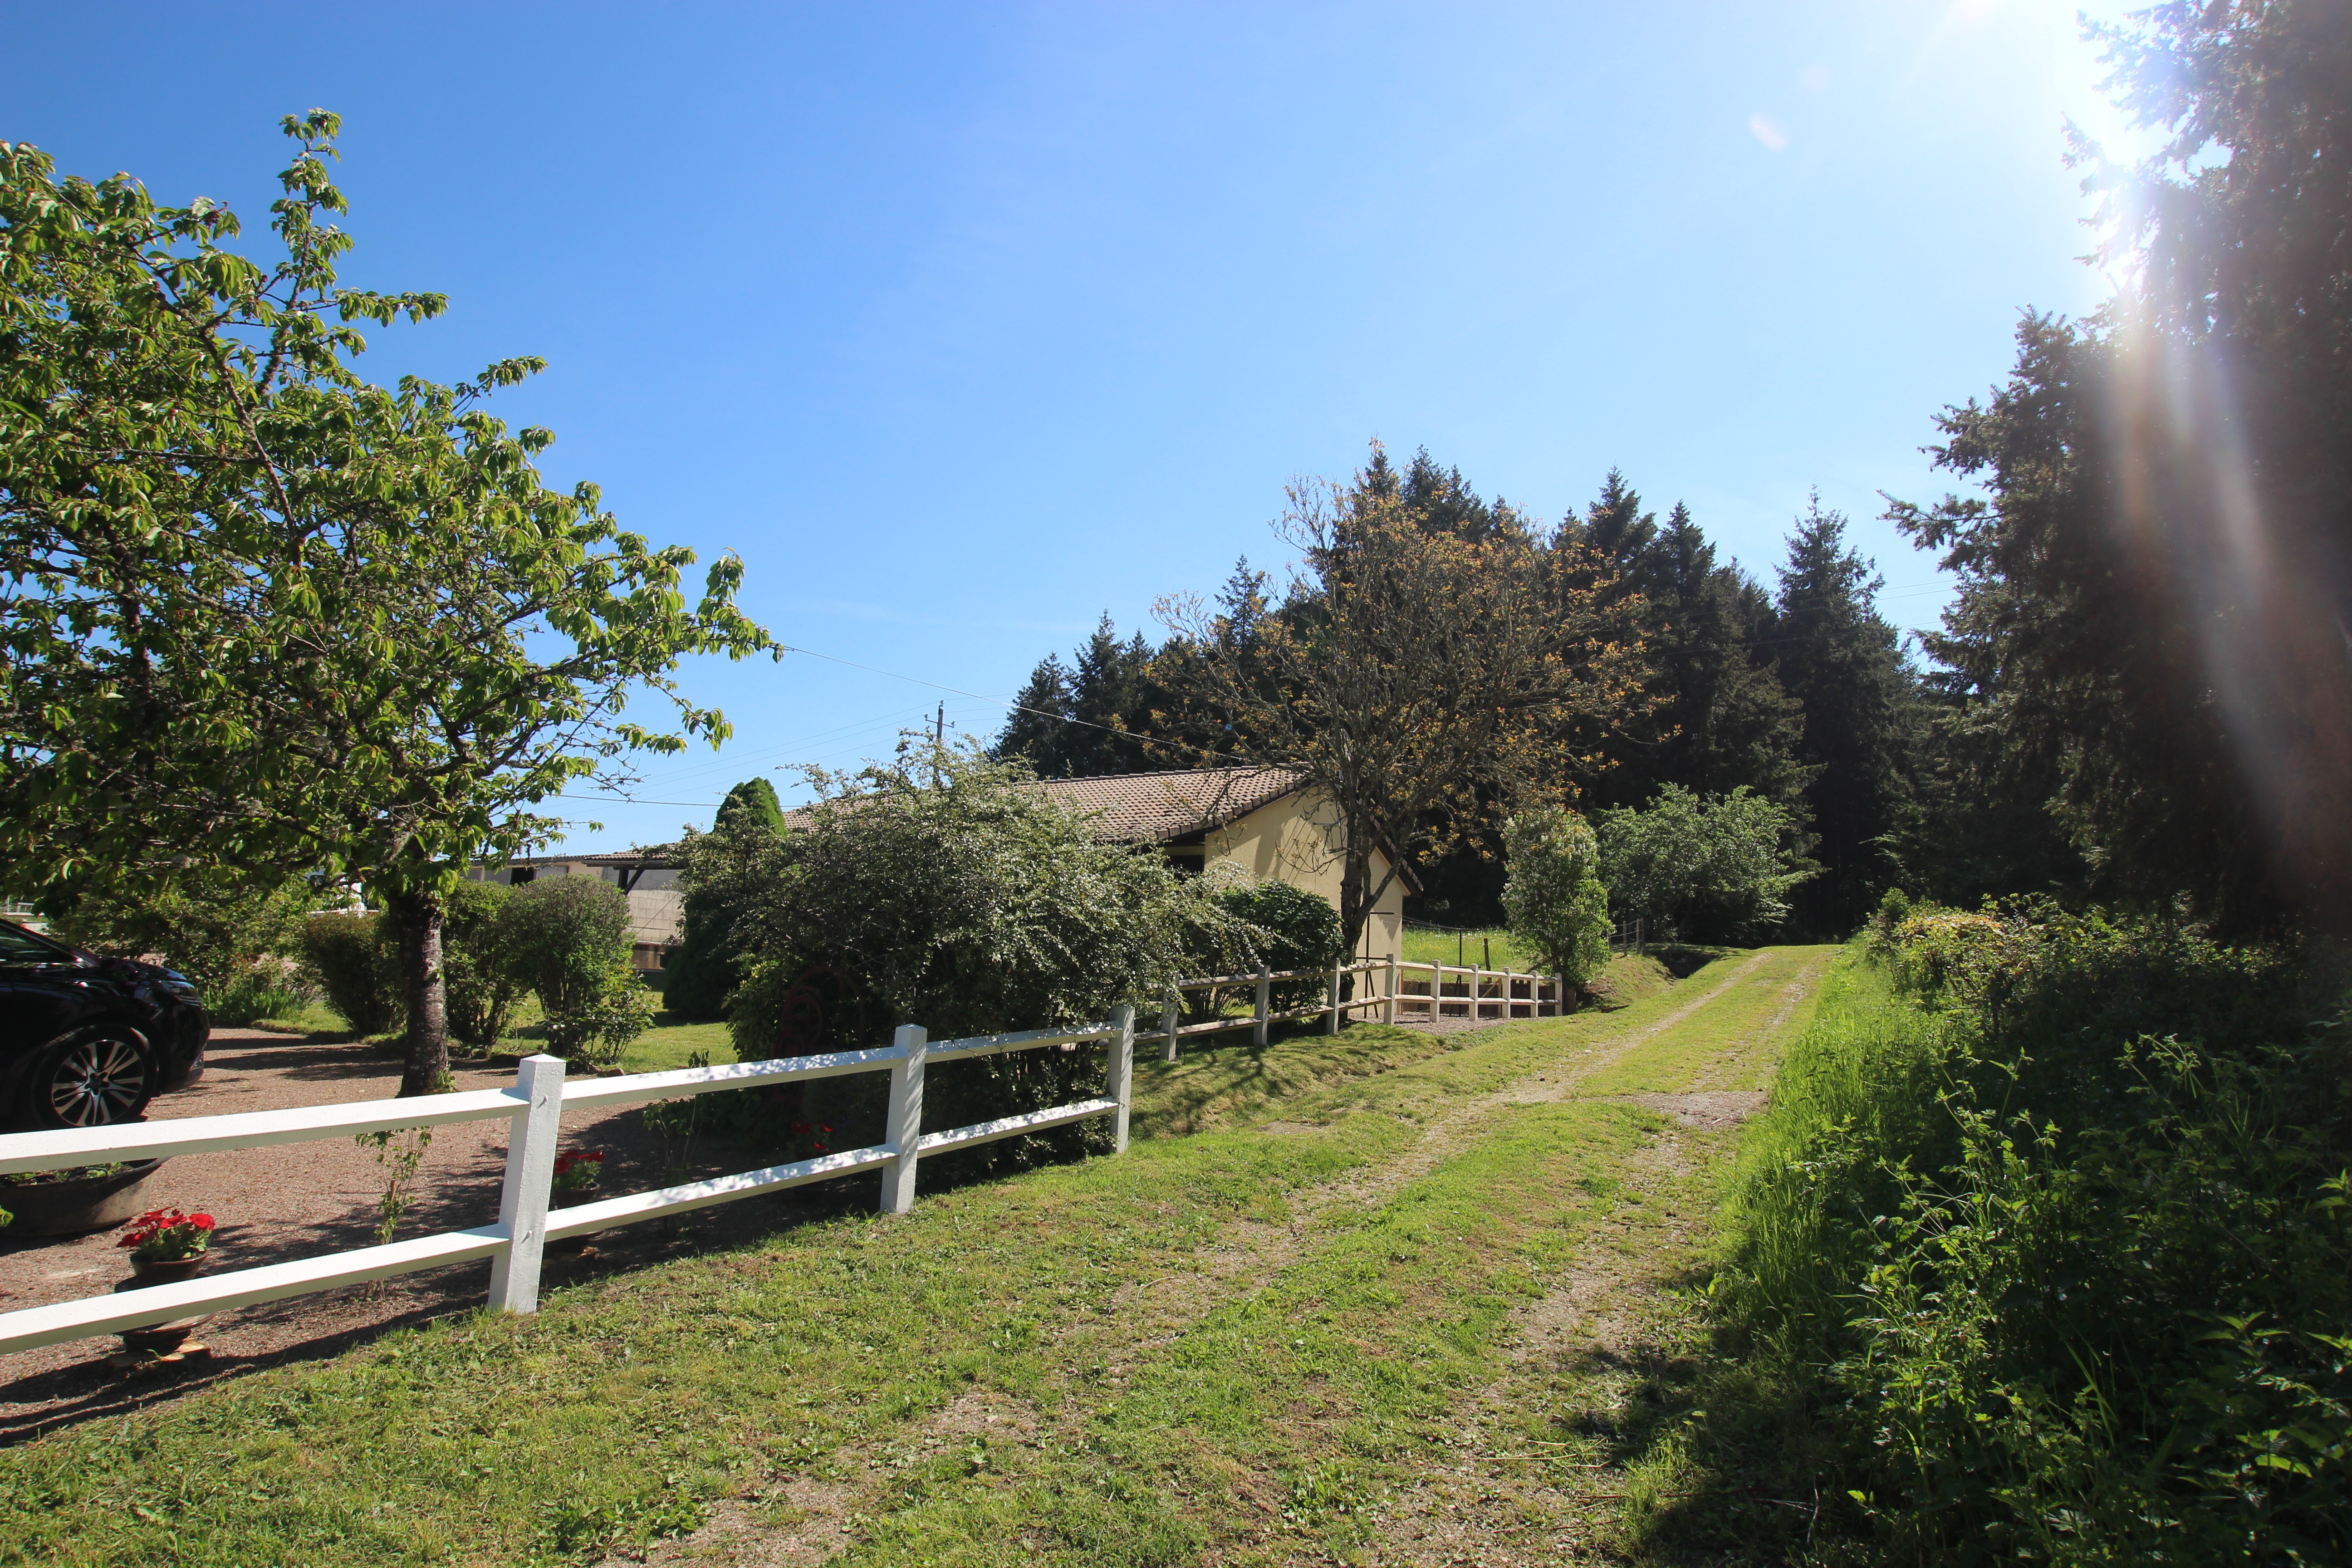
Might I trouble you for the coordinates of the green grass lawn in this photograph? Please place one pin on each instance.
(1268, 1425)
(1466, 947)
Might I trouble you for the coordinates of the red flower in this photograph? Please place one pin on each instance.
(161, 1232)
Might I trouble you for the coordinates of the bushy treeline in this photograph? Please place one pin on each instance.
(1801, 700)
(2042, 1252)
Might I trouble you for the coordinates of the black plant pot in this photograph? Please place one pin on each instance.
(81, 1204)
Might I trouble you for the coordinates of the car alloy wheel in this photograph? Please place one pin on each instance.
(97, 1082)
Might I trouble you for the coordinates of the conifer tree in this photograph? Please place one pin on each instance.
(1844, 662)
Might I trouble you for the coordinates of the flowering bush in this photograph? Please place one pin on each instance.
(578, 1171)
(814, 1134)
(167, 1236)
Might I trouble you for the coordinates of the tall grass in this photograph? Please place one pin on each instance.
(2040, 1255)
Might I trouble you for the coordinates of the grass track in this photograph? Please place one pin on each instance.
(1269, 1413)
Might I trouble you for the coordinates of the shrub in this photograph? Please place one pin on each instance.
(352, 958)
(2057, 1237)
(1553, 898)
(970, 906)
(478, 963)
(570, 937)
(1274, 924)
(1714, 871)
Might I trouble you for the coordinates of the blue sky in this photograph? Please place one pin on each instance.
(965, 324)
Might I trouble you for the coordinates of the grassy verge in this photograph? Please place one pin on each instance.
(624, 1408)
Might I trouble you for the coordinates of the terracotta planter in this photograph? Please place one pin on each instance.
(158, 1341)
(148, 1271)
(84, 1204)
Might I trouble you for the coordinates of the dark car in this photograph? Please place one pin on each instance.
(86, 1040)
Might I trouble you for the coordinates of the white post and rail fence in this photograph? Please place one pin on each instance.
(534, 1107)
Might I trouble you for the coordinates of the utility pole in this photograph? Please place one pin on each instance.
(939, 743)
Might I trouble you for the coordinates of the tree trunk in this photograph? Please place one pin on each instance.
(425, 990)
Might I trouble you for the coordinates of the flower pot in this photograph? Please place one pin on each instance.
(148, 1271)
(82, 1203)
(160, 1339)
(564, 1200)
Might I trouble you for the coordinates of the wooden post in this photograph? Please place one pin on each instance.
(1389, 1016)
(1120, 1086)
(1264, 990)
(530, 1173)
(904, 1128)
(1169, 1017)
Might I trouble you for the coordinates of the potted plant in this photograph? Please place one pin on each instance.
(72, 1202)
(577, 1171)
(167, 1246)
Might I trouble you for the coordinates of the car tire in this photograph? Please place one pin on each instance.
(93, 1079)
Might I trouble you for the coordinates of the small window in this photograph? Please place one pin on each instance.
(520, 875)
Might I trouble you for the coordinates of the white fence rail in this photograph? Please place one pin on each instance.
(534, 1106)
(1479, 995)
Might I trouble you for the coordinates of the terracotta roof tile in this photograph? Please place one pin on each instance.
(1137, 808)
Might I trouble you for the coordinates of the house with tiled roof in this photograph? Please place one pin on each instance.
(1266, 821)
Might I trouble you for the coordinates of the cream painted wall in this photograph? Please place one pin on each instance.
(1297, 840)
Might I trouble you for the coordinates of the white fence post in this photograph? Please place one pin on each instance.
(1332, 1024)
(530, 1173)
(1389, 1017)
(904, 1129)
(1168, 1021)
(1265, 989)
(1121, 1084)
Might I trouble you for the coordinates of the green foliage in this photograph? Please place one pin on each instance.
(2148, 635)
(570, 938)
(2058, 1243)
(1554, 899)
(1714, 871)
(235, 938)
(273, 617)
(969, 907)
(1084, 720)
(478, 963)
(352, 957)
(1843, 663)
(704, 971)
(1718, 718)
(1274, 924)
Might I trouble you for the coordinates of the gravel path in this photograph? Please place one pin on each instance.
(296, 1201)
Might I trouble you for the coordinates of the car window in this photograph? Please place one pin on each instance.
(23, 947)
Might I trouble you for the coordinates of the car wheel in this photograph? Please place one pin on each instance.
(94, 1080)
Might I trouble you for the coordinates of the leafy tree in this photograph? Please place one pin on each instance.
(2156, 583)
(1412, 674)
(705, 969)
(1554, 900)
(970, 906)
(1843, 663)
(1711, 870)
(266, 617)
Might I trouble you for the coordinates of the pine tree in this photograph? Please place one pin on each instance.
(705, 969)
(1843, 663)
